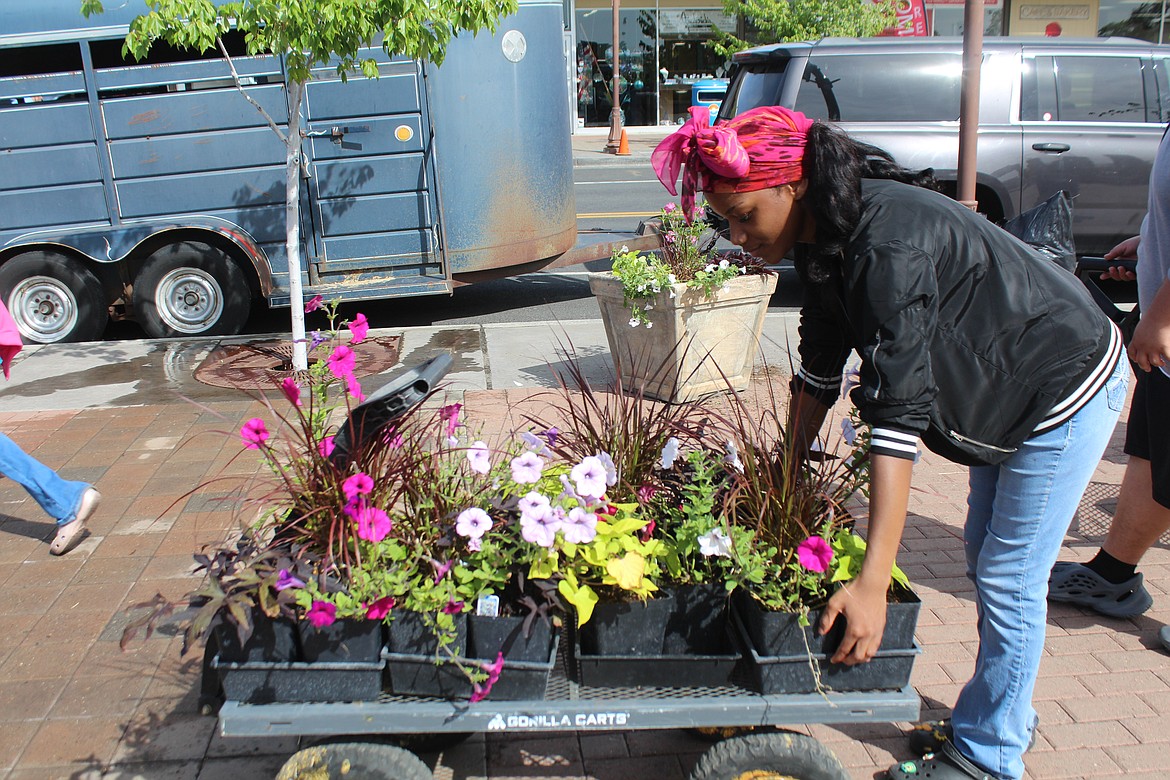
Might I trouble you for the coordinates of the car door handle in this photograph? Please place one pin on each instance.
(1058, 148)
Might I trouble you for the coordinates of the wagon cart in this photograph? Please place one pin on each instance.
(571, 706)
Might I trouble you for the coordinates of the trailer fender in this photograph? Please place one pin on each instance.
(112, 245)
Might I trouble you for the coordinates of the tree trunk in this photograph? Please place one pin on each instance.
(292, 234)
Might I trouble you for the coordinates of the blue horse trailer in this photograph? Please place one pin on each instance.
(155, 191)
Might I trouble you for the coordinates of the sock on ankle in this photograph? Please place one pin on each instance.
(1111, 569)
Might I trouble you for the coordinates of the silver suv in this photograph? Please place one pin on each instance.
(1083, 116)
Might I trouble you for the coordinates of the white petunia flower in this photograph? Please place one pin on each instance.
(715, 543)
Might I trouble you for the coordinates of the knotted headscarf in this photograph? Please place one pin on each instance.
(758, 149)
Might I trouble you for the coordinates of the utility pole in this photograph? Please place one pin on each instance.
(615, 114)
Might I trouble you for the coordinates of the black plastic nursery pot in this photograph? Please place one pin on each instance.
(711, 669)
(506, 634)
(780, 633)
(697, 624)
(343, 641)
(630, 628)
(409, 633)
(272, 641)
(426, 675)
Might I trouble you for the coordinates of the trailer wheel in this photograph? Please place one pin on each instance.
(53, 298)
(191, 289)
(779, 756)
(354, 761)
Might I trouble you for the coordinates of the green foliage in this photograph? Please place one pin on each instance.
(686, 258)
(313, 32)
(778, 21)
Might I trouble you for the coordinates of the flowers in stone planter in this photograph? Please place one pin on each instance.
(687, 257)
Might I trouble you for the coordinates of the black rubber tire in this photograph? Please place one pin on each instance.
(778, 756)
(191, 289)
(53, 298)
(430, 743)
(354, 761)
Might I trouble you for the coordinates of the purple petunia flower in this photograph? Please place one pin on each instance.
(580, 527)
(480, 458)
(313, 303)
(380, 608)
(453, 607)
(286, 580)
(473, 523)
(479, 691)
(589, 476)
(527, 468)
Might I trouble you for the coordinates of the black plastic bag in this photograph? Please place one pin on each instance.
(1048, 228)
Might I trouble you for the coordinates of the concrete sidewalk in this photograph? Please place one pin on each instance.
(163, 450)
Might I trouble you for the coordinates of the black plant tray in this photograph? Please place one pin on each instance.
(656, 671)
(265, 682)
(419, 675)
(889, 670)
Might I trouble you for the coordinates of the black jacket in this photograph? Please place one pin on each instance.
(968, 337)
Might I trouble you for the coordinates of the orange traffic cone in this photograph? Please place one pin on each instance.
(624, 143)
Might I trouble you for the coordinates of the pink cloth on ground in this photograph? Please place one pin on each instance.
(10, 343)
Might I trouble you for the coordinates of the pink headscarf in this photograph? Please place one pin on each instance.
(758, 149)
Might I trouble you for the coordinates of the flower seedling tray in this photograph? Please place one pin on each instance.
(419, 675)
(263, 682)
(657, 671)
(889, 670)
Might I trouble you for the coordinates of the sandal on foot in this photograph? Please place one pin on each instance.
(69, 534)
(1080, 585)
(929, 737)
(947, 764)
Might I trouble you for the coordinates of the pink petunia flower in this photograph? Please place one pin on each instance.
(453, 607)
(313, 303)
(373, 524)
(449, 415)
(380, 608)
(342, 362)
(441, 569)
(480, 690)
(322, 614)
(814, 554)
(473, 523)
(669, 208)
(254, 433)
(360, 484)
(354, 387)
(326, 446)
(527, 468)
(291, 390)
(358, 327)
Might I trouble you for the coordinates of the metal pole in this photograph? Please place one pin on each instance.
(969, 100)
(615, 114)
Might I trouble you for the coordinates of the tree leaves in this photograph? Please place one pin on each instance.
(776, 21)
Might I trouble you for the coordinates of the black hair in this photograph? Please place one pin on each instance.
(834, 165)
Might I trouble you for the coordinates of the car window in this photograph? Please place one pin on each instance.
(755, 85)
(1161, 68)
(882, 88)
(1099, 89)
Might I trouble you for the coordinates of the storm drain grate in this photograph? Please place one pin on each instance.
(1095, 514)
(261, 365)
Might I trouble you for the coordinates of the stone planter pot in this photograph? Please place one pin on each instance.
(697, 345)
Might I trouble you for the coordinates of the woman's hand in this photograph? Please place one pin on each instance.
(863, 604)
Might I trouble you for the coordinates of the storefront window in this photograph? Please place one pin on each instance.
(637, 60)
(689, 69)
(1134, 19)
(947, 18)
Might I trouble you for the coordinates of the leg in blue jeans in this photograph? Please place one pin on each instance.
(60, 498)
(1018, 513)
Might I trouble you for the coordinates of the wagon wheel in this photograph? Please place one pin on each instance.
(719, 733)
(354, 761)
(780, 756)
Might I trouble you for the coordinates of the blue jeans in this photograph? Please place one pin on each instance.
(1018, 513)
(60, 498)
